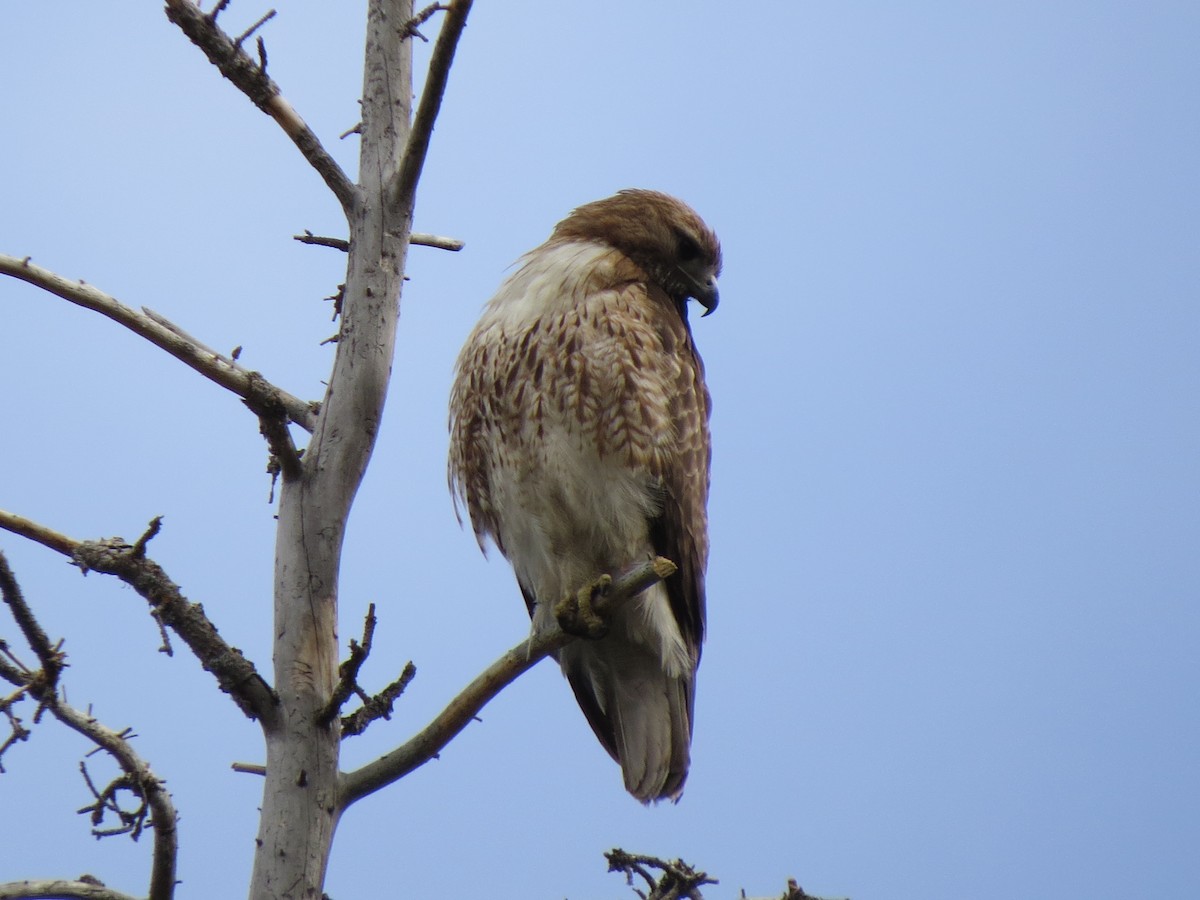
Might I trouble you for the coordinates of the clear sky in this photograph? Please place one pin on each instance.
(954, 640)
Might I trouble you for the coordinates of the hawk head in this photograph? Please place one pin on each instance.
(664, 236)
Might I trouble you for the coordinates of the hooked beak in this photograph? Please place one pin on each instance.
(709, 297)
(703, 289)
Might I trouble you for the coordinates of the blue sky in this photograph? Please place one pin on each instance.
(954, 630)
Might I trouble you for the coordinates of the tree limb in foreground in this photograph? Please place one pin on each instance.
(258, 393)
(236, 675)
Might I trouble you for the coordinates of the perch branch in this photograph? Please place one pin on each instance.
(251, 79)
(466, 706)
(404, 191)
(113, 556)
(255, 390)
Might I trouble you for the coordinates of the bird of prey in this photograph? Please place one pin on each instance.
(580, 446)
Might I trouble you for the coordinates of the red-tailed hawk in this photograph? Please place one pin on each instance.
(579, 444)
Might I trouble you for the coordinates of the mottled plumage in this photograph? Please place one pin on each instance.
(579, 444)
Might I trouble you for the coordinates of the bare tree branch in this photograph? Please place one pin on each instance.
(60, 890)
(417, 237)
(377, 706)
(404, 192)
(436, 241)
(235, 674)
(256, 391)
(252, 80)
(466, 706)
(42, 686)
(677, 882)
(37, 533)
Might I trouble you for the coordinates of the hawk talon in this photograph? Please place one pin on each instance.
(584, 613)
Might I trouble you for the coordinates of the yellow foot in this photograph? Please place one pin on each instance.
(582, 613)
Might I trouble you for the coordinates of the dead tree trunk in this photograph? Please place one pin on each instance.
(300, 803)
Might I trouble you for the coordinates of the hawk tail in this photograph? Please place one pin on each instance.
(641, 714)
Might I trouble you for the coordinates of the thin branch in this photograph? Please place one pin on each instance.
(60, 890)
(412, 25)
(251, 79)
(42, 686)
(255, 390)
(378, 706)
(48, 653)
(235, 674)
(404, 192)
(417, 237)
(436, 241)
(241, 39)
(466, 706)
(309, 238)
(37, 533)
(348, 670)
(143, 781)
(678, 879)
(374, 707)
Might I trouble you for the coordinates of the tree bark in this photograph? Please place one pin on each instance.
(300, 804)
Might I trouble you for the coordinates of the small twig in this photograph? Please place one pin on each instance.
(283, 449)
(348, 670)
(378, 706)
(48, 654)
(410, 27)
(248, 768)
(309, 238)
(218, 9)
(139, 546)
(422, 239)
(165, 646)
(427, 743)
(357, 129)
(419, 238)
(374, 707)
(17, 731)
(678, 879)
(133, 821)
(267, 17)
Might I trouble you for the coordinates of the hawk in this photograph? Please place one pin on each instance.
(580, 446)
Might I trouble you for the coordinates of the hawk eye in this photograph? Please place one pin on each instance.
(687, 249)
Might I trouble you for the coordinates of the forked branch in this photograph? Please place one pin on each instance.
(42, 686)
(462, 709)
